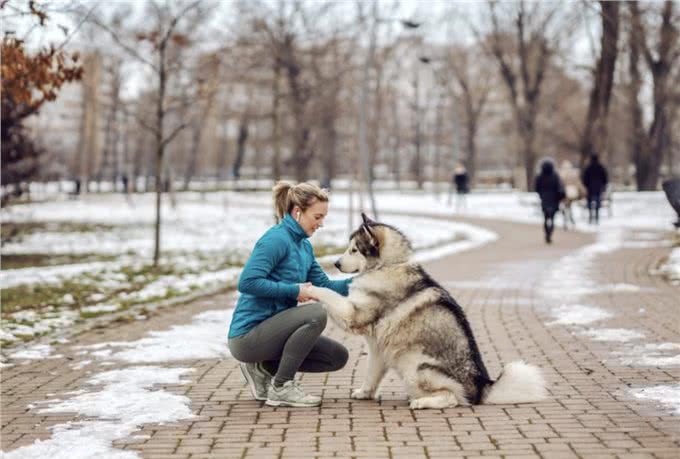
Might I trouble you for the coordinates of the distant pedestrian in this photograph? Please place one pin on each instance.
(462, 182)
(549, 188)
(595, 180)
(573, 190)
(76, 189)
(671, 187)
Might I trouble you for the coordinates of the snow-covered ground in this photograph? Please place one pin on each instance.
(219, 223)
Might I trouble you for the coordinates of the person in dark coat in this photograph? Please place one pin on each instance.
(551, 191)
(462, 181)
(595, 180)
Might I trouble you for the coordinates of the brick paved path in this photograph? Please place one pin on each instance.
(589, 414)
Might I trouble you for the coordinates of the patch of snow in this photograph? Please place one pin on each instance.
(125, 403)
(68, 299)
(183, 284)
(645, 244)
(651, 355)
(666, 395)
(204, 338)
(629, 288)
(35, 352)
(613, 334)
(81, 365)
(100, 308)
(53, 275)
(4, 336)
(39, 324)
(578, 314)
(474, 237)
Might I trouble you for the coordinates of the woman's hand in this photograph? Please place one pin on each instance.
(305, 295)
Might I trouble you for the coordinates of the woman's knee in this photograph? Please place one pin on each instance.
(316, 315)
(341, 356)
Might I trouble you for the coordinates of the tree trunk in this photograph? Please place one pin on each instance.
(240, 147)
(416, 162)
(276, 122)
(302, 157)
(194, 153)
(649, 147)
(529, 157)
(595, 134)
(471, 160)
(330, 140)
(396, 147)
(298, 100)
(222, 158)
(527, 132)
(471, 122)
(436, 172)
(160, 147)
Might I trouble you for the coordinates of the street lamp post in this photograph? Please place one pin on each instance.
(417, 163)
(363, 114)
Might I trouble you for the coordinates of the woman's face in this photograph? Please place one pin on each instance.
(311, 219)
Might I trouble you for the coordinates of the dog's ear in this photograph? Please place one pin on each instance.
(366, 220)
(371, 236)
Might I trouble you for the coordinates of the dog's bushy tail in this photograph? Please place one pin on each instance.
(518, 383)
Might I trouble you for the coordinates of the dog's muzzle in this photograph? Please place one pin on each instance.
(337, 264)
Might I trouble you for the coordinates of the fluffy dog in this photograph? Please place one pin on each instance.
(412, 325)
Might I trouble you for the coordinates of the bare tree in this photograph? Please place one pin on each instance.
(649, 145)
(471, 87)
(595, 132)
(207, 78)
(294, 44)
(160, 37)
(523, 53)
(366, 163)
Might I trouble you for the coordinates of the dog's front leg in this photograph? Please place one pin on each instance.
(375, 371)
(338, 306)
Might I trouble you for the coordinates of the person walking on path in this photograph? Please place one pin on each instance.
(549, 188)
(270, 334)
(573, 190)
(595, 180)
(462, 182)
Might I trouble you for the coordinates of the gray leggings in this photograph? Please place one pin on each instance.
(291, 341)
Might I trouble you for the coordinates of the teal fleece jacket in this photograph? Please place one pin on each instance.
(281, 259)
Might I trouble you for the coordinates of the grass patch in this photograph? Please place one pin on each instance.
(10, 231)
(38, 296)
(53, 306)
(29, 260)
(15, 231)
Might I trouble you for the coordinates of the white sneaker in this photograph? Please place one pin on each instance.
(257, 378)
(292, 395)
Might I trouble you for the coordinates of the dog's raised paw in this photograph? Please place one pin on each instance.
(361, 394)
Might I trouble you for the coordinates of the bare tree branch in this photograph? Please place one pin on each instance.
(177, 130)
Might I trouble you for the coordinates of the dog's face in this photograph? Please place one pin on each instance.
(373, 244)
(362, 252)
(352, 261)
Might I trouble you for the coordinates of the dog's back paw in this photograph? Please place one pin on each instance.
(362, 394)
(444, 400)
